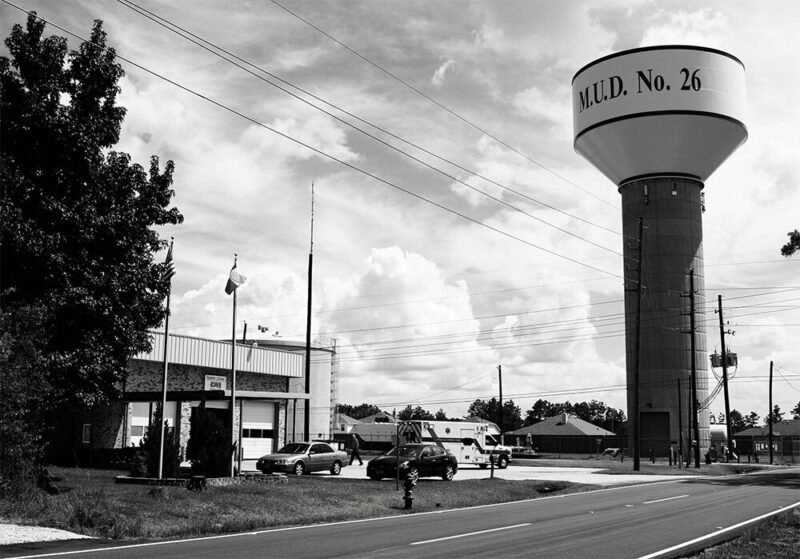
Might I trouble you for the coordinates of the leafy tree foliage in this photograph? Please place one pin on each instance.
(594, 412)
(209, 447)
(414, 413)
(358, 412)
(793, 245)
(752, 420)
(490, 410)
(79, 287)
(147, 459)
(796, 411)
(737, 421)
(77, 220)
(23, 397)
(776, 416)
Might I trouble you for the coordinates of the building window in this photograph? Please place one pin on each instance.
(137, 430)
(86, 433)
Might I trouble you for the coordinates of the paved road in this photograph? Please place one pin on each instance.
(619, 522)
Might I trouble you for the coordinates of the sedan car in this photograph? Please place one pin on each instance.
(416, 460)
(303, 458)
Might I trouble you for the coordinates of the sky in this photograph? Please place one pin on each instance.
(455, 229)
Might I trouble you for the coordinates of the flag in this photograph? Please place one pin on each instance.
(170, 265)
(234, 280)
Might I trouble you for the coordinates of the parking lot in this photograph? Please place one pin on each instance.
(518, 470)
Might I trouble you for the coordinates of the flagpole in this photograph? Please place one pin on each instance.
(307, 416)
(166, 364)
(234, 441)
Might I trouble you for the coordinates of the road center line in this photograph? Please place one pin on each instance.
(662, 500)
(471, 534)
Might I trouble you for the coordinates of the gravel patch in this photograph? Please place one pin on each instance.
(14, 533)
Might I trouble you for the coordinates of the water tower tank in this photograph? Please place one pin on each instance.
(657, 121)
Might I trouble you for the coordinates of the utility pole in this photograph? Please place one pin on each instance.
(695, 411)
(680, 427)
(694, 430)
(500, 415)
(770, 416)
(636, 358)
(725, 380)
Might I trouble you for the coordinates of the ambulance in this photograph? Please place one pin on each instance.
(470, 443)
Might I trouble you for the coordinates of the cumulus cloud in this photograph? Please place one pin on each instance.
(704, 27)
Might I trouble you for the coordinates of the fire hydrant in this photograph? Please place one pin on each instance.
(408, 485)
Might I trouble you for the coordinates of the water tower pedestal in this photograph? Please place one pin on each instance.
(671, 208)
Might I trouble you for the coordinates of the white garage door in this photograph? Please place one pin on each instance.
(257, 428)
(141, 418)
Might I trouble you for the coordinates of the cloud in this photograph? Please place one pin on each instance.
(704, 27)
(439, 76)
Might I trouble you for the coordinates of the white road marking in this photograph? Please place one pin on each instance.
(471, 534)
(669, 550)
(662, 500)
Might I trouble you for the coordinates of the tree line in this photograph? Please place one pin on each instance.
(512, 418)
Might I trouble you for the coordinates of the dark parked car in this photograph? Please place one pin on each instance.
(303, 458)
(417, 460)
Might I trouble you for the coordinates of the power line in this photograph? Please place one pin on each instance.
(440, 105)
(173, 28)
(324, 153)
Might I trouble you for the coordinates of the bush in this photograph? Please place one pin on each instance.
(138, 465)
(145, 461)
(209, 448)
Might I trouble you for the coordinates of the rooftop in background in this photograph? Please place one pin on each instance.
(785, 428)
(381, 417)
(563, 424)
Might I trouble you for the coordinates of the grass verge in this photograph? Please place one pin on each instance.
(92, 504)
(776, 538)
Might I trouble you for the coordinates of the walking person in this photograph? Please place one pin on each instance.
(354, 453)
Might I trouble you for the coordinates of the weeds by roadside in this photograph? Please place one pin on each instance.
(775, 538)
(93, 505)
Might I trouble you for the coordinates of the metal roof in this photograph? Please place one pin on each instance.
(201, 352)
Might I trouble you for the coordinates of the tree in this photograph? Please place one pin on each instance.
(358, 412)
(793, 245)
(537, 412)
(752, 420)
(77, 222)
(209, 448)
(737, 421)
(148, 454)
(796, 411)
(776, 416)
(489, 410)
(414, 413)
(441, 416)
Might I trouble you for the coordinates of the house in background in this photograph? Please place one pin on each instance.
(785, 442)
(343, 424)
(567, 434)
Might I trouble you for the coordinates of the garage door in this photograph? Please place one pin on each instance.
(257, 428)
(141, 418)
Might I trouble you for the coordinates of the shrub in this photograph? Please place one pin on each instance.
(209, 447)
(145, 461)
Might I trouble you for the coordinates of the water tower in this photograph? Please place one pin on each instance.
(657, 121)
